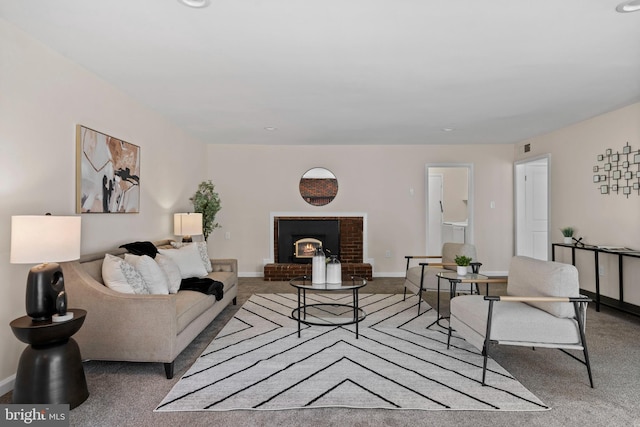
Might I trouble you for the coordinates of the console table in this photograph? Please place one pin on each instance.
(620, 303)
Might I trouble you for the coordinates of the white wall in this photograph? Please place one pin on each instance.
(256, 180)
(42, 97)
(576, 201)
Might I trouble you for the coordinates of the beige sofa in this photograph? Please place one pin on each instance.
(141, 328)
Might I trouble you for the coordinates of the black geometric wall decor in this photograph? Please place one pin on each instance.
(618, 172)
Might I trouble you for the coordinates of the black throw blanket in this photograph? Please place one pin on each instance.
(204, 285)
(141, 248)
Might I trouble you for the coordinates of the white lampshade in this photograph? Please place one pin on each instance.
(187, 224)
(39, 239)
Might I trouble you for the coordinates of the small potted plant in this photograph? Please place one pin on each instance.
(463, 263)
(567, 232)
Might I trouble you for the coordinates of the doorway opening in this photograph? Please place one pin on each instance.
(531, 198)
(449, 197)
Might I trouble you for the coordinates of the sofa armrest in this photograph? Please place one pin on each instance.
(121, 326)
(225, 265)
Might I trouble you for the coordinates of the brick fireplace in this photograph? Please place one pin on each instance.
(351, 252)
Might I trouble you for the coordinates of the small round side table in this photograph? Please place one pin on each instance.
(50, 369)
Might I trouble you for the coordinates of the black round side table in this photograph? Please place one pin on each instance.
(50, 369)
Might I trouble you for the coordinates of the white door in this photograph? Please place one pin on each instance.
(434, 242)
(532, 208)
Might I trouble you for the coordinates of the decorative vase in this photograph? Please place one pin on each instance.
(318, 267)
(462, 270)
(334, 271)
(568, 240)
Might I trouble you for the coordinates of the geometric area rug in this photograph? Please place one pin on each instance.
(257, 362)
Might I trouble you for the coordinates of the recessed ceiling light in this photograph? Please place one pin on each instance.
(270, 128)
(629, 6)
(447, 129)
(198, 4)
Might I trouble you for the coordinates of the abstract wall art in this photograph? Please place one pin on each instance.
(107, 173)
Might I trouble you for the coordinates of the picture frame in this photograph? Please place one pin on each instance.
(608, 152)
(604, 189)
(636, 185)
(596, 178)
(626, 149)
(617, 174)
(600, 157)
(628, 175)
(596, 168)
(615, 157)
(625, 164)
(614, 187)
(626, 190)
(636, 158)
(107, 173)
(607, 166)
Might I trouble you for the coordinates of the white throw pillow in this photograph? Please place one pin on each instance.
(121, 276)
(171, 271)
(188, 260)
(202, 248)
(152, 275)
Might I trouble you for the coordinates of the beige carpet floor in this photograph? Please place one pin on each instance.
(125, 394)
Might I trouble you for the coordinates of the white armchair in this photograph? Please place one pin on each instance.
(543, 308)
(422, 277)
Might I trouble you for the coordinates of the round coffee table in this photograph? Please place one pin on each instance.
(328, 314)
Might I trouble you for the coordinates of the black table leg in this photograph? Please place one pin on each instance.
(355, 310)
(299, 313)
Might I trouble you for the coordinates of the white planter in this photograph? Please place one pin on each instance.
(568, 240)
(462, 270)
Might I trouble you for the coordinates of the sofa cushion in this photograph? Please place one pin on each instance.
(154, 278)
(188, 260)
(190, 305)
(121, 276)
(534, 278)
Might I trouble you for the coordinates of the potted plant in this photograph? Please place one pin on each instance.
(463, 263)
(567, 232)
(207, 202)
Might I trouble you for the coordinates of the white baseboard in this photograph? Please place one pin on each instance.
(7, 384)
(394, 274)
(250, 274)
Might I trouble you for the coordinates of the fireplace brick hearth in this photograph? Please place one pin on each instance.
(351, 251)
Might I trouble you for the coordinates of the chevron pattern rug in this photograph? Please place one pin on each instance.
(258, 362)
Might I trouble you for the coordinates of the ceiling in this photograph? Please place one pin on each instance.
(291, 72)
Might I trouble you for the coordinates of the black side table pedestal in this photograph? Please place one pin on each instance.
(50, 369)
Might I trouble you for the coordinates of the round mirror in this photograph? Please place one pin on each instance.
(318, 186)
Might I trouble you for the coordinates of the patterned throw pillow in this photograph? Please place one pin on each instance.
(121, 276)
(204, 255)
(154, 278)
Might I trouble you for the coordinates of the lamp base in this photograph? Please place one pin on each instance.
(56, 318)
(44, 283)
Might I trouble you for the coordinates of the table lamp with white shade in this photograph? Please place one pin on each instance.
(187, 225)
(45, 240)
